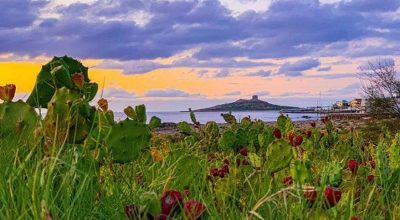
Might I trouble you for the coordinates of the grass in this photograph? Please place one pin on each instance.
(65, 182)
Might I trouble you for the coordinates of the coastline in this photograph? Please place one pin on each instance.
(340, 124)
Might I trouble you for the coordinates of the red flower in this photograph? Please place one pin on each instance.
(132, 211)
(194, 209)
(353, 165)
(332, 195)
(277, 133)
(171, 200)
(371, 178)
(244, 151)
(245, 162)
(298, 140)
(313, 124)
(288, 180)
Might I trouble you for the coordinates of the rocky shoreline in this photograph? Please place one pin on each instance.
(342, 124)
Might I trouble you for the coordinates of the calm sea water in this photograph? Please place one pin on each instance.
(204, 117)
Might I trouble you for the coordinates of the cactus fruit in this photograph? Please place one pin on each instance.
(279, 155)
(17, 118)
(56, 74)
(103, 104)
(127, 139)
(7, 92)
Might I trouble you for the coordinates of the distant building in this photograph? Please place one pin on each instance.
(341, 104)
(356, 103)
(254, 98)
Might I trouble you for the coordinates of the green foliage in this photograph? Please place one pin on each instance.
(68, 117)
(300, 170)
(57, 74)
(155, 122)
(394, 153)
(227, 140)
(127, 140)
(229, 118)
(17, 119)
(279, 155)
(184, 128)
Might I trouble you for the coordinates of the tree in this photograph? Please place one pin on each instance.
(381, 86)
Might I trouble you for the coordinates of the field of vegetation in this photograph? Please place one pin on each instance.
(79, 163)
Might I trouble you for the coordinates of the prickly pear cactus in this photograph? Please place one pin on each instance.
(57, 74)
(212, 132)
(229, 118)
(184, 128)
(227, 140)
(279, 155)
(17, 118)
(66, 118)
(155, 122)
(103, 122)
(127, 140)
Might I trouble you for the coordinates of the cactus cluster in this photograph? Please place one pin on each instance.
(61, 72)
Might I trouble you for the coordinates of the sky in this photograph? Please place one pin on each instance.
(176, 54)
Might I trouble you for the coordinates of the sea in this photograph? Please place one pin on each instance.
(203, 117)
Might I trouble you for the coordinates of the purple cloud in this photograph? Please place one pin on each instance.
(297, 68)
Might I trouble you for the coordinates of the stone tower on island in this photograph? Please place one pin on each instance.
(254, 98)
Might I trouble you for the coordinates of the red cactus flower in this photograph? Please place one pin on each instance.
(221, 173)
(244, 151)
(355, 218)
(298, 140)
(7, 92)
(371, 178)
(313, 124)
(194, 209)
(171, 200)
(277, 133)
(226, 161)
(332, 195)
(225, 168)
(288, 180)
(214, 171)
(353, 165)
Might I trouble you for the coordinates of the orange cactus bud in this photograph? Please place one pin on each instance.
(78, 79)
(103, 104)
(7, 92)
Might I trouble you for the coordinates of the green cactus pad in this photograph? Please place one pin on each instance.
(127, 139)
(17, 118)
(56, 74)
(279, 155)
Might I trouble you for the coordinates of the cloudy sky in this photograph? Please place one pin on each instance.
(176, 54)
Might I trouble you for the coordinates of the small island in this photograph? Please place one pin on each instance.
(253, 104)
